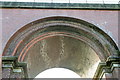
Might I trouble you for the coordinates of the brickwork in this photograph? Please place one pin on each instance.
(74, 36)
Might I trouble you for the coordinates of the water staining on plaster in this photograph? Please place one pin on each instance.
(61, 52)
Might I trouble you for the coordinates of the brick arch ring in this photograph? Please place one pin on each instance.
(20, 43)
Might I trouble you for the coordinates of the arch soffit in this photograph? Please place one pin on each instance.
(30, 34)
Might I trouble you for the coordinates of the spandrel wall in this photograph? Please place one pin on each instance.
(17, 18)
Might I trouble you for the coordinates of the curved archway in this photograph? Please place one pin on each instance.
(89, 35)
(62, 26)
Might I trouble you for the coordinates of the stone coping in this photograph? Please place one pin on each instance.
(39, 5)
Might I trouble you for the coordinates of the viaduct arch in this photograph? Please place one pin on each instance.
(61, 30)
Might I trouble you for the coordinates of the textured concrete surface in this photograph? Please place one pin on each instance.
(62, 52)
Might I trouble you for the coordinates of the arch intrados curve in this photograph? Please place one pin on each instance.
(45, 27)
(51, 34)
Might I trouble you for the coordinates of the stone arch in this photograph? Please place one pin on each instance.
(73, 24)
(22, 41)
